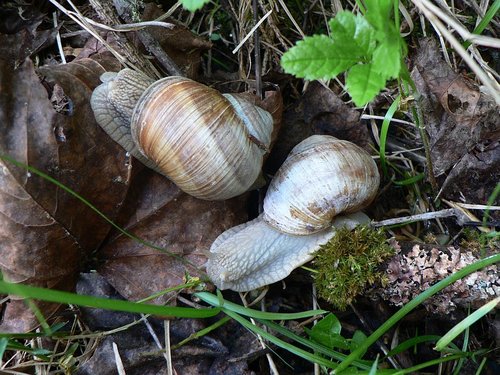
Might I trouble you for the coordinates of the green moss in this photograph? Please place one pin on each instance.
(479, 243)
(348, 262)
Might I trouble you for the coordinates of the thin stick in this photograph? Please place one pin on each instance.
(257, 62)
(166, 329)
(420, 217)
(251, 32)
(460, 29)
(272, 365)
(58, 39)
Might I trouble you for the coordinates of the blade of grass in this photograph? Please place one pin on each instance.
(282, 344)
(490, 13)
(215, 301)
(467, 322)
(3, 345)
(410, 180)
(202, 332)
(103, 303)
(384, 130)
(414, 369)
(412, 342)
(364, 365)
(373, 370)
(491, 200)
(413, 304)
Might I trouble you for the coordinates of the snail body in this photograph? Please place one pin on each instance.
(211, 145)
(322, 185)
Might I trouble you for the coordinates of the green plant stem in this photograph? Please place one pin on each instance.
(202, 332)
(384, 131)
(419, 119)
(103, 303)
(412, 370)
(216, 302)
(412, 305)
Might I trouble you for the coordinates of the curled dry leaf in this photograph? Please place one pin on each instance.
(44, 231)
(461, 121)
(173, 220)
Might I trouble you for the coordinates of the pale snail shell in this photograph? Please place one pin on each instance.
(322, 177)
(211, 145)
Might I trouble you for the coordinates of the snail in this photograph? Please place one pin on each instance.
(211, 145)
(323, 177)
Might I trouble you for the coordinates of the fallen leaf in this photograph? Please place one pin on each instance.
(44, 231)
(168, 218)
(457, 116)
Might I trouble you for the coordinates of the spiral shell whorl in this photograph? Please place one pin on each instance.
(211, 153)
(308, 192)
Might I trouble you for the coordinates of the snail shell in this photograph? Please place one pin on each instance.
(211, 145)
(323, 177)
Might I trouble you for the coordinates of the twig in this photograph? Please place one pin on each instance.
(133, 58)
(459, 28)
(129, 12)
(58, 39)
(449, 212)
(168, 351)
(257, 63)
(251, 32)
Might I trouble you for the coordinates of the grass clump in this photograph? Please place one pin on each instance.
(348, 262)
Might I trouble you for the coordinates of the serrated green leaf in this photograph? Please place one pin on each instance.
(317, 57)
(193, 5)
(378, 13)
(387, 59)
(354, 33)
(363, 83)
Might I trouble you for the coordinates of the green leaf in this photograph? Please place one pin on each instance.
(387, 59)
(378, 13)
(357, 340)
(363, 83)
(353, 33)
(327, 333)
(317, 57)
(193, 5)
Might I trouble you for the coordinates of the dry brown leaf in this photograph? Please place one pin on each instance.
(173, 220)
(44, 231)
(457, 116)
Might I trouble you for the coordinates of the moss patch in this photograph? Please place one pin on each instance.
(348, 262)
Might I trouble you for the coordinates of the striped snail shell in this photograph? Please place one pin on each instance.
(211, 145)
